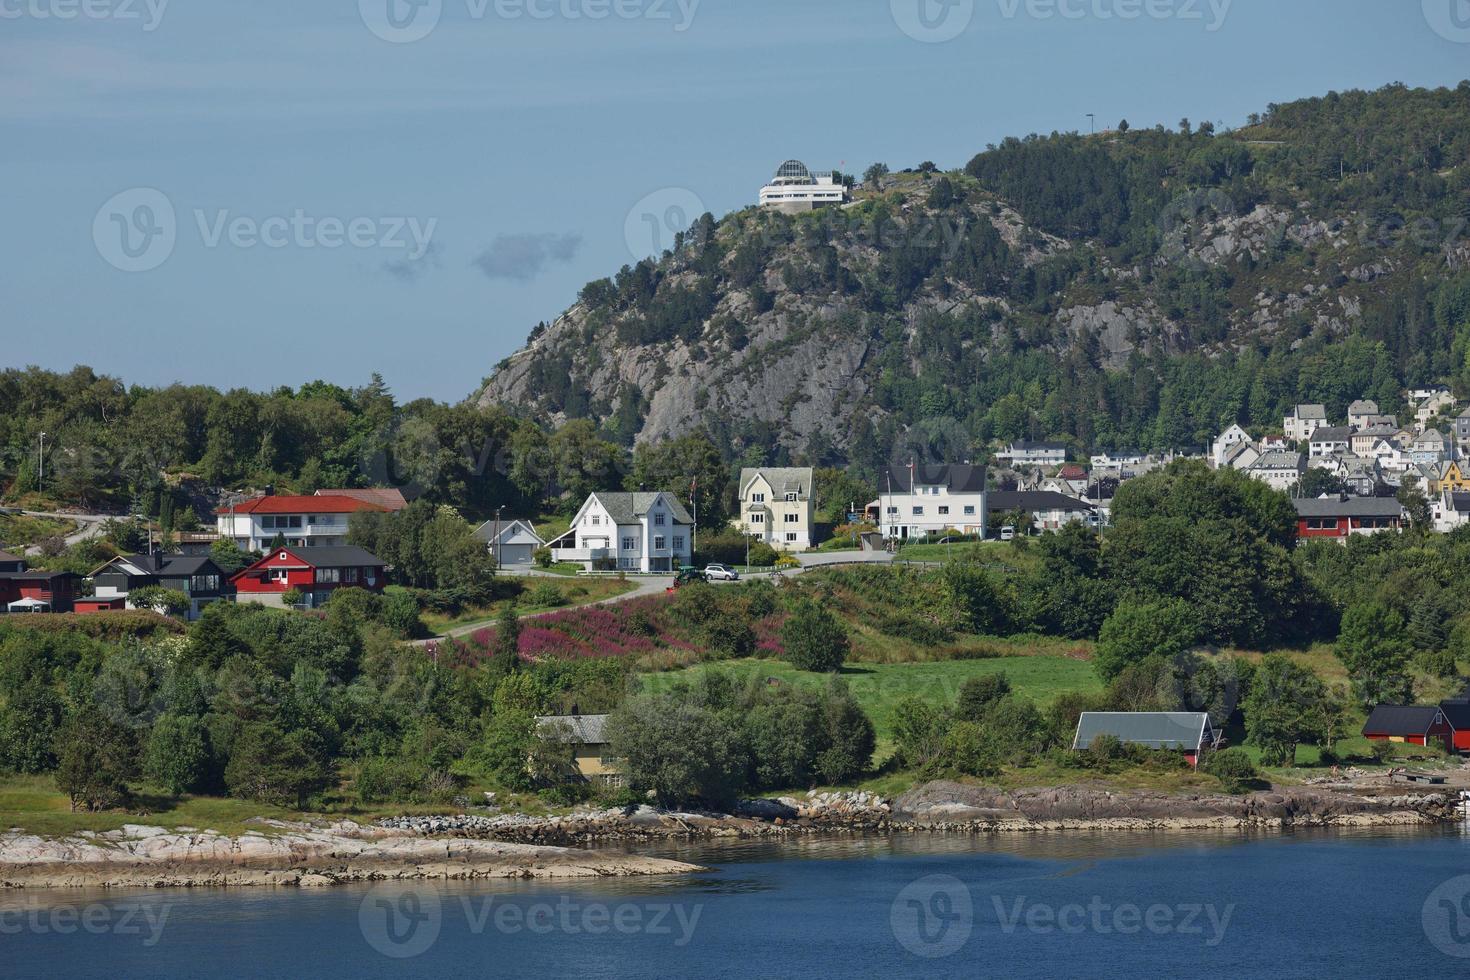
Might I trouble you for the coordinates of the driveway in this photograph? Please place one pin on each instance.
(88, 526)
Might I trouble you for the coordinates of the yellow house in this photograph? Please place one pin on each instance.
(1450, 478)
(590, 750)
(777, 506)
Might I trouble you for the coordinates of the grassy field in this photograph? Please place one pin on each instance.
(879, 687)
(1002, 555)
(18, 531)
(574, 592)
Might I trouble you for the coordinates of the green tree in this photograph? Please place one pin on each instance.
(177, 756)
(1373, 644)
(269, 765)
(814, 639)
(680, 750)
(228, 556)
(169, 602)
(94, 761)
(1138, 630)
(1283, 709)
(508, 635)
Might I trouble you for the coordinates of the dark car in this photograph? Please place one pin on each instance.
(688, 574)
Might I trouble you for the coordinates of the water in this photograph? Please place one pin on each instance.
(1330, 904)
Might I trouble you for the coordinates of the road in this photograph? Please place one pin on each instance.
(659, 584)
(88, 526)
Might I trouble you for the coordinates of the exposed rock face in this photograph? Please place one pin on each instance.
(294, 854)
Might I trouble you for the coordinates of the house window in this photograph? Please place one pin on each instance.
(893, 511)
(596, 520)
(918, 512)
(328, 576)
(350, 576)
(658, 520)
(630, 544)
(658, 543)
(969, 510)
(757, 518)
(793, 518)
(678, 542)
(943, 511)
(791, 538)
(757, 498)
(278, 575)
(791, 498)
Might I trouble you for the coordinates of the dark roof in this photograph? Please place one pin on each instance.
(1024, 445)
(1155, 729)
(1401, 719)
(1004, 501)
(1459, 502)
(9, 559)
(39, 574)
(1457, 713)
(339, 556)
(1332, 433)
(173, 564)
(958, 478)
(630, 508)
(1352, 507)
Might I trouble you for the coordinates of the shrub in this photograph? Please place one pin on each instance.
(542, 557)
(814, 639)
(977, 694)
(1233, 767)
(762, 555)
(169, 602)
(1382, 751)
(906, 627)
(787, 562)
(178, 755)
(546, 595)
(293, 597)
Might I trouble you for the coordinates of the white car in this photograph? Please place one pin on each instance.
(722, 572)
(1008, 533)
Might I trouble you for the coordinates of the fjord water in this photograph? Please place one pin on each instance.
(1329, 904)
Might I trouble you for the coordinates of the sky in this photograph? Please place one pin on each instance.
(256, 193)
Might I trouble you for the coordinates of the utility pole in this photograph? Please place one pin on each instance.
(41, 463)
(1093, 117)
(497, 539)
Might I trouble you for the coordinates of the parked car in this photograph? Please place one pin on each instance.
(1008, 533)
(722, 573)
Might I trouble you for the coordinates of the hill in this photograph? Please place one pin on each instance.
(1139, 287)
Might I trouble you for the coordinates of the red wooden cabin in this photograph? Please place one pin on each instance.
(1410, 724)
(315, 572)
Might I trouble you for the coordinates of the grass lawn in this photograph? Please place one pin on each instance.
(578, 592)
(1001, 556)
(879, 687)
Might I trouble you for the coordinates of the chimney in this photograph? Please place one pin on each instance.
(270, 491)
(1342, 497)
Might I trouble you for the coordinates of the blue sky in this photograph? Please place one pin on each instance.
(472, 179)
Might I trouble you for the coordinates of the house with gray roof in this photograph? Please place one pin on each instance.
(630, 532)
(1303, 420)
(586, 735)
(1331, 439)
(778, 506)
(1360, 411)
(512, 543)
(1189, 732)
(1279, 471)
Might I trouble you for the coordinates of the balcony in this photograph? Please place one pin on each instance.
(582, 554)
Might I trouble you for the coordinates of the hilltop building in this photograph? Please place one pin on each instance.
(795, 189)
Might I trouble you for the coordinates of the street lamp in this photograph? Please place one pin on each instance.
(497, 537)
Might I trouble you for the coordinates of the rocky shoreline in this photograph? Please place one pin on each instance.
(292, 855)
(489, 845)
(946, 807)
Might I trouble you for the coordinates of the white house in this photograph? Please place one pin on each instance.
(777, 506)
(1451, 510)
(1242, 456)
(1119, 459)
(1431, 446)
(512, 543)
(303, 522)
(795, 189)
(1360, 411)
(1303, 420)
(633, 532)
(1436, 404)
(917, 500)
(1278, 470)
(1025, 453)
(1227, 440)
(1330, 439)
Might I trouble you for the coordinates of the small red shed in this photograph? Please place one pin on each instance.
(92, 605)
(1410, 724)
(1457, 713)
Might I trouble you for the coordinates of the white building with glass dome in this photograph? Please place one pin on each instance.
(795, 189)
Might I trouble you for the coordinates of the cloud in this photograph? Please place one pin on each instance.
(412, 270)
(522, 257)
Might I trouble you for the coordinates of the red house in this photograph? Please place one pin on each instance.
(1410, 725)
(1457, 713)
(315, 572)
(92, 605)
(1339, 517)
(36, 590)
